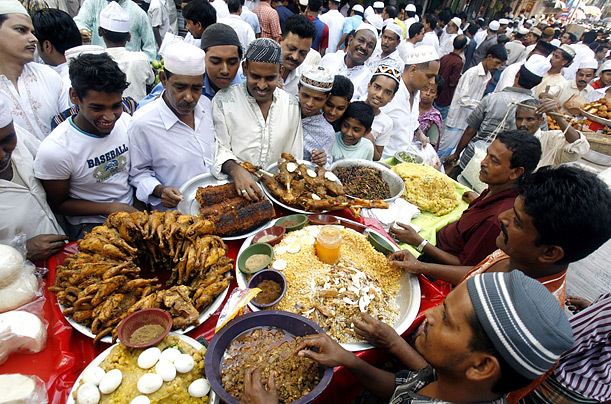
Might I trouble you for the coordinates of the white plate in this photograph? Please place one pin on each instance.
(100, 358)
(408, 296)
(189, 205)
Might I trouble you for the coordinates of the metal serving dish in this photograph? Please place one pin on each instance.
(395, 183)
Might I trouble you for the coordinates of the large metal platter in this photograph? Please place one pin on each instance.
(395, 183)
(595, 118)
(408, 296)
(189, 205)
(214, 399)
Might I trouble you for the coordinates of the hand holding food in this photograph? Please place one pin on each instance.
(380, 334)
(330, 353)
(319, 157)
(257, 391)
(405, 233)
(405, 260)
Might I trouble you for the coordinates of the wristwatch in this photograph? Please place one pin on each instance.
(422, 245)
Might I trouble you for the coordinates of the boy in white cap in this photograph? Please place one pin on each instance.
(352, 62)
(172, 138)
(315, 86)
(604, 76)
(114, 29)
(387, 52)
(410, 10)
(578, 86)
(335, 21)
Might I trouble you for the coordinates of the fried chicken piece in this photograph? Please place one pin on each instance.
(333, 187)
(95, 244)
(177, 301)
(210, 293)
(107, 287)
(113, 237)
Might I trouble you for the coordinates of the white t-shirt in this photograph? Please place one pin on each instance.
(98, 167)
(335, 21)
(381, 129)
(221, 8)
(159, 15)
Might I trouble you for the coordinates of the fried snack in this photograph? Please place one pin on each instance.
(552, 124)
(101, 285)
(601, 108)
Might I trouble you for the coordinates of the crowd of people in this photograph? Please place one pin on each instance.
(111, 106)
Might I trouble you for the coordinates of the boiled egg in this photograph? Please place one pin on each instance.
(140, 400)
(149, 383)
(279, 265)
(93, 375)
(166, 370)
(111, 381)
(199, 388)
(184, 363)
(291, 167)
(308, 240)
(315, 197)
(311, 173)
(88, 393)
(330, 176)
(169, 355)
(149, 357)
(293, 247)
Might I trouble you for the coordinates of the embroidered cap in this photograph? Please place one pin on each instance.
(114, 18)
(390, 71)
(6, 115)
(184, 59)
(568, 49)
(421, 54)
(12, 7)
(317, 78)
(264, 50)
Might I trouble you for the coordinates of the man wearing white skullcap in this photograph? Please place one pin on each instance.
(410, 11)
(172, 138)
(35, 92)
(387, 51)
(351, 23)
(24, 206)
(255, 121)
(114, 29)
(421, 67)
(352, 63)
(579, 86)
(561, 58)
(451, 30)
(490, 40)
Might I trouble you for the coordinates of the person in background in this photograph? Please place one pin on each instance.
(604, 76)
(389, 14)
(530, 41)
(515, 48)
(269, 20)
(388, 52)
(561, 58)
(297, 37)
(35, 92)
(355, 125)
(84, 163)
(568, 38)
(282, 10)
(470, 32)
(507, 77)
(318, 135)
(382, 88)
(321, 42)
(582, 52)
(450, 68)
(142, 38)
(482, 50)
(451, 30)
(335, 21)
(429, 38)
(198, 15)
(241, 27)
(578, 86)
(223, 55)
(430, 117)
(56, 32)
(410, 15)
(351, 23)
(159, 15)
(415, 35)
(339, 99)
(114, 29)
(252, 19)
(181, 117)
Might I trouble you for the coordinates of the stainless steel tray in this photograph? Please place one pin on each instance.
(395, 183)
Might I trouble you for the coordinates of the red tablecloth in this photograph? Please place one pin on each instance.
(68, 352)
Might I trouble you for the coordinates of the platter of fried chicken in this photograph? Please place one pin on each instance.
(142, 260)
(218, 201)
(303, 187)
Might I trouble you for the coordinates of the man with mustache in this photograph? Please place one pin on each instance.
(255, 121)
(298, 34)
(579, 85)
(352, 62)
(179, 118)
(388, 52)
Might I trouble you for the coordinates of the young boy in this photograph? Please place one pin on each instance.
(341, 94)
(380, 91)
(355, 125)
(114, 29)
(318, 135)
(83, 164)
(493, 334)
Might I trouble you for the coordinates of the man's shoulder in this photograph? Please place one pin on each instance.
(229, 94)
(287, 98)
(143, 115)
(43, 71)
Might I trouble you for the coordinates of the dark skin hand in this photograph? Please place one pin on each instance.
(576, 304)
(319, 157)
(243, 181)
(405, 233)
(451, 272)
(405, 260)
(470, 196)
(256, 391)
(170, 196)
(44, 246)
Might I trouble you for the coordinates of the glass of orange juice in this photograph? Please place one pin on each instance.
(328, 243)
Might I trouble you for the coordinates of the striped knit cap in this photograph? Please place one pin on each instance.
(264, 50)
(523, 320)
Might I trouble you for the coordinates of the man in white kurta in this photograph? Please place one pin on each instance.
(169, 145)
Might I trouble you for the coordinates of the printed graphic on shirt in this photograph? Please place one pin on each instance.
(109, 164)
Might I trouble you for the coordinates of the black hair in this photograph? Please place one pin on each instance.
(57, 27)
(527, 79)
(532, 103)
(391, 11)
(315, 5)
(569, 207)
(3, 17)
(440, 84)
(588, 37)
(525, 149)
(462, 15)
(375, 76)
(342, 87)
(445, 16)
(362, 112)
(415, 29)
(410, 14)
(97, 72)
(472, 28)
(498, 52)
(200, 11)
(114, 37)
(419, 9)
(351, 34)
(234, 5)
(431, 19)
(299, 25)
(509, 379)
(481, 22)
(572, 37)
(460, 42)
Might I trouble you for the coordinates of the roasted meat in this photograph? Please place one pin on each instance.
(212, 195)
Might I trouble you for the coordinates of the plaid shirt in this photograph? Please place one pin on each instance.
(270, 22)
(468, 94)
(409, 383)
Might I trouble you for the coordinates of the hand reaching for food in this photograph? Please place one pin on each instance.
(257, 391)
(380, 334)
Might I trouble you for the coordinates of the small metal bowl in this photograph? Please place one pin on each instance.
(408, 157)
(258, 248)
(276, 231)
(395, 183)
(141, 318)
(267, 275)
(300, 220)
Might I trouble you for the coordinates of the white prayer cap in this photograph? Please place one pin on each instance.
(12, 7)
(605, 66)
(317, 78)
(421, 54)
(522, 31)
(303, 2)
(6, 115)
(358, 8)
(494, 26)
(503, 21)
(410, 7)
(589, 64)
(378, 5)
(184, 59)
(73, 53)
(456, 21)
(376, 21)
(511, 16)
(114, 18)
(369, 12)
(394, 27)
(538, 65)
(368, 27)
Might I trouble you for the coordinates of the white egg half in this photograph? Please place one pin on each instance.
(166, 370)
(199, 388)
(88, 393)
(111, 381)
(308, 240)
(184, 363)
(149, 357)
(140, 400)
(169, 355)
(93, 375)
(279, 265)
(280, 250)
(291, 167)
(311, 173)
(149, 383)
(293, 247)
(315, 197)
(330, 176)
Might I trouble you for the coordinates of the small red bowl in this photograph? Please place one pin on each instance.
(277, 231)
(141, 318)
(322, 220)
